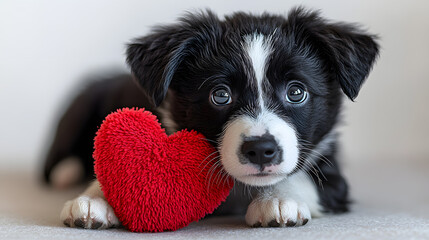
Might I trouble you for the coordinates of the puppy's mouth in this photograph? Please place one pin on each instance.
(259, 175)
(261, 178)
(265, 174)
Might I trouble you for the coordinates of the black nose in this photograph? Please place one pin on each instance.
(260, 150)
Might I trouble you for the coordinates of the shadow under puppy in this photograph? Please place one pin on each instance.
(266, 90)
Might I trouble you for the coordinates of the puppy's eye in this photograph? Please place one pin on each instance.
(221, 96)
(296, 93)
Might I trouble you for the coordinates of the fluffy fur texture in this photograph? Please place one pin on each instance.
(255, 66)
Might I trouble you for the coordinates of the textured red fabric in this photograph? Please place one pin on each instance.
(156, 182)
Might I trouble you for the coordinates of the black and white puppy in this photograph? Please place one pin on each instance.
(266, 90)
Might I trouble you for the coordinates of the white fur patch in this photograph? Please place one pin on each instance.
(90, 210)
(258, 48)
(301, 188)
(292, 202)
(68, 172)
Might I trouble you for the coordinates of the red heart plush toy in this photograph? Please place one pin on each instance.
(156, 182)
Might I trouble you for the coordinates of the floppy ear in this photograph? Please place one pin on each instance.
(155, 58)
(350, 51)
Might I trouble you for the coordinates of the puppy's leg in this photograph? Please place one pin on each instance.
(89, 210)
(74, 139)
(292, 202)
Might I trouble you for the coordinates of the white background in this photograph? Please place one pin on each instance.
(46, 47)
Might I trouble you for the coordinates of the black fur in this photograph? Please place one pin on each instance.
(185, 61)
(76, 129)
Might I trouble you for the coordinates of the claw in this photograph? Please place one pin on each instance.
(80, 222)
(274, 223)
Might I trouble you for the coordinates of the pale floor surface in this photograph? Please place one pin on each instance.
(392, 203)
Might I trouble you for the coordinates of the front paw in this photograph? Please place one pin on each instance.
(277, 212)
(87, 212)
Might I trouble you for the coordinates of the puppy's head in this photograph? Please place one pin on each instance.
(260, 87)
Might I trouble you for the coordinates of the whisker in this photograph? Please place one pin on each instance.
(210, 173)
(219, 174)
(225, 178)
(211, 154)
(208, 162)
(209, 140)
(315, 152)
(314, 171)
(219, 177)
(304, 161)
(305, 171)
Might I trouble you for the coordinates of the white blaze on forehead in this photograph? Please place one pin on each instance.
(258, 48)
